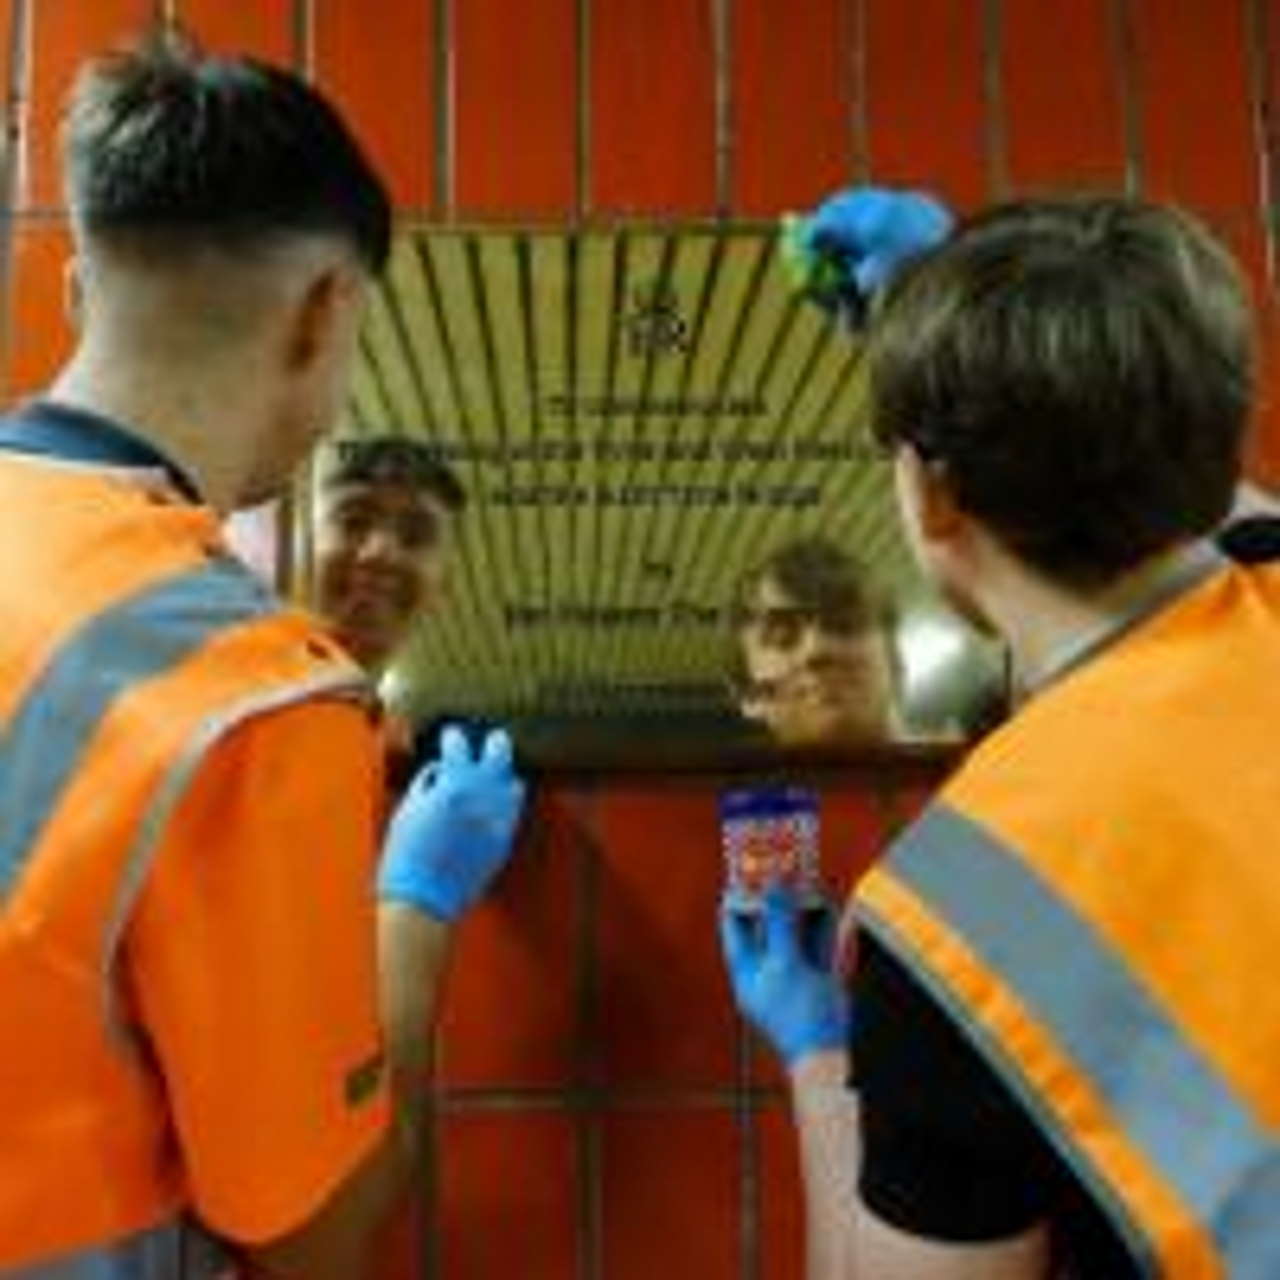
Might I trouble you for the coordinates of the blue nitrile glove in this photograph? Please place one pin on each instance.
(453, 830)
(854, 241)
(780, 968)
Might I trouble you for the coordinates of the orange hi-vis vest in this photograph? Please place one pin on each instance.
(1095, 899)
(130, 643)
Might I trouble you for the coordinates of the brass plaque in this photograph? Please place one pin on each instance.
(669, 488)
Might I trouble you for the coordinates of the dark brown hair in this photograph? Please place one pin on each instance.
(1081, 369)
(394, 460)
(169, 150)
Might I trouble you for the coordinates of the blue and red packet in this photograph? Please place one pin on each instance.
(770, 835)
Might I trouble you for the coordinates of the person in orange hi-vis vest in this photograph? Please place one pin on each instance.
(1058, 1053)
(216, 969)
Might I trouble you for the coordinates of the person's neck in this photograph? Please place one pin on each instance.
(1044, 623)
(1252, 500)
(199, 421)
(374, 660)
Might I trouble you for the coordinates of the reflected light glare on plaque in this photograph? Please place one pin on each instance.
(929, 647)
(394, 688)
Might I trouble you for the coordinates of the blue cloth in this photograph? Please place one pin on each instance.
(876, 231)
(854, 242)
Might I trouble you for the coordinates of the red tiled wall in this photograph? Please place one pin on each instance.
(601, 1113)
(512, 132)
(559, 110)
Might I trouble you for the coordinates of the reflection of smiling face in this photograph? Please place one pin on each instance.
(816, 675)
(381, 549)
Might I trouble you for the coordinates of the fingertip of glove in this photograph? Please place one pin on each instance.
(454, 747)
(498, 748)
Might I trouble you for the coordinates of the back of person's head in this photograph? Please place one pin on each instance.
(169, 152)
(392, 460)
(1080, 370)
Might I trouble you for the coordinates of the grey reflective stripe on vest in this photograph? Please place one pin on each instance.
(1171, 1102)
(136, 639)
(171, 1252)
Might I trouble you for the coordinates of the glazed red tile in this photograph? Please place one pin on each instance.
(1076, 38)
(63, 33)
(8, 39)
(670, 1188)
(1195, 100)
(268, 29)
(509, 1196)
(39, 334)
(791, 62)
(517, 150)
(923, 63)
(1192, 88)
(852, 830)
(663, 1009)
(399, 1246)
(512, 1002)
(779, 1196)
(383, 76)
(651, 114)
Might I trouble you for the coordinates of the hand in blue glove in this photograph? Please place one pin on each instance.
(779, 964)
(454, 828)
(878, 230)
(854, 242)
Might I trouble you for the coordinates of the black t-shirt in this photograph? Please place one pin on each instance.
(948, 1151)
(1251, 539)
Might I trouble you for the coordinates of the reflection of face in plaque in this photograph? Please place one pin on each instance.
(813, 662)
(382, 542)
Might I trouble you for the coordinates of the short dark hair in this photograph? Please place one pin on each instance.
(166, 147)
(1082, 370)
(818, 575)
(394, 460)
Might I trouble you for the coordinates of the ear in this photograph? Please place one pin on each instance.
(319, 317)
(926, 497)
(73, 293)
